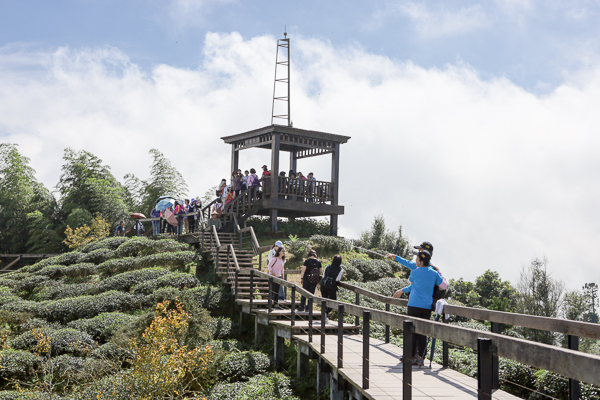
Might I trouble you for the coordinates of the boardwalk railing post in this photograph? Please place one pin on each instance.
(445, 357)
(387, 327)
(269, 297)
(340, 358)
(237, 273)
(310, 319)
(573, 344)
(407, 339)
(293, 313)
(356, 320)
(484, 369)
(251, 288)
(366, 357)
(495, 362)
(323, 315)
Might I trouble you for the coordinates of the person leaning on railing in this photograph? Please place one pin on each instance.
(423, 278)
(275, 268)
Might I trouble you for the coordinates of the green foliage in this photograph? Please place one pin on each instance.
(226, 345)
(28, 395)
(271, 386)
(63, 259)
(220, 327)
(174, 260)
(331, 244)
(110, 243)
(241, 366)
(297, 248)
(126, 280)
(207, 296)
(102, 326)
(378, 237)
(142, 246)
(302, 227)
(351, 273)
(178, 280)
(70, 309)
(17, 364)
(112, 352)
(375, 269)
(63, 341)
(97, 256)
(43, 237)
(54, 290)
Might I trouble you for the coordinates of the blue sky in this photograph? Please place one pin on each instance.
(532, 43)
(474, 125)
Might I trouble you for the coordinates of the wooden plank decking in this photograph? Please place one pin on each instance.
(437, 383)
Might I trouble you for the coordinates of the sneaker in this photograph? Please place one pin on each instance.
(326, 318)
(278, 308)
(418, 360)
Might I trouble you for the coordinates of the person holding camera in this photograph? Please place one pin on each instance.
(423, 280)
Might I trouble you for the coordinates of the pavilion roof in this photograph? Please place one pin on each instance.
(294, 134)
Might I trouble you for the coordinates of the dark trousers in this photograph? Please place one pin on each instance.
(191, 224)
(306, 285)
(329, 294)
(275, 293)
(419, 343)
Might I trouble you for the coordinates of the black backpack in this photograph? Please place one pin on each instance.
(328, 282)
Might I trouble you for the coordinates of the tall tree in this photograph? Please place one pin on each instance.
(495, 293)
(539, 294)
(87, 184)
(20, 194)
(378, 237)
(164, 180)
(590, 291)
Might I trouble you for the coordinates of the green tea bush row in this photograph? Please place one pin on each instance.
(28, 395)
(175, 260)
(331, 244)
(226, 345)
(110, 243)
(88, 306)
(270, 386)
(29, 284)
(209, 297)
(102, 326)
(63, 259)
(297, 248)
(63, 341)
(373, 269)
(17, 364)
(351, 273)
(126, 280)
(97, 256)
(241, 366)
(111, 352)
(178, 280)
(142, 246)
(220, 327)
(54, 290)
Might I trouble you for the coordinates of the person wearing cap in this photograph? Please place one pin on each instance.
(215, 221)
(265, 171)
(423, 278)
(429, 247)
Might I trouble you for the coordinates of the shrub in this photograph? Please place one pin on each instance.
(54, 290)
(272, 386)
(97, 256)
(241, 366)
(220, 327)
(76, 370)
(36, 323)
(303, 227)
(207, 296)
(297, 248)
(331, 244)
(142, 246)
(226, 345)
(63, 341)
(179, 280)
(111, 243)
(79, 270)
(112, 352)
(126, 280)
(351, 273)
(70, 309)
(27, 285)
(17, 364)
(63, 259)
(102, 326)
(174, 260)
(372, 269)
(27, 395)
(18, 305)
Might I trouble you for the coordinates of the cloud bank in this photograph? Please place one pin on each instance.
(491, 174)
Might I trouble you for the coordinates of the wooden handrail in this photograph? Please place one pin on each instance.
(567, 327)
(569, 363)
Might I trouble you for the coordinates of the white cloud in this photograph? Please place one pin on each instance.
(491, 174)
(192, 12)
(433, 21)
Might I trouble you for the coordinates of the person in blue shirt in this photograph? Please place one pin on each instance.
(423, 278)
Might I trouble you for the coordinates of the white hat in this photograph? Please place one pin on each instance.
(278, 243)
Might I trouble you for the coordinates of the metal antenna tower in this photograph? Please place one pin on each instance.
(283, 44)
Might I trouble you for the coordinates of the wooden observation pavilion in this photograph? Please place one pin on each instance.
(284, 196)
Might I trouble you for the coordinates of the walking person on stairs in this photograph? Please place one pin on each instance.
(329, 284)
(269, 257)
(310, 275)
(423, 279)
(276, 267)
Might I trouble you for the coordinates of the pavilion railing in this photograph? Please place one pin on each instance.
(296, 189)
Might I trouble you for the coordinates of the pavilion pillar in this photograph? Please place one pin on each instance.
(274, 178)
(293, 161)
(235, 158)
(335, 179)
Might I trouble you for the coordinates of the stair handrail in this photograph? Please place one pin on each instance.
(569, 363)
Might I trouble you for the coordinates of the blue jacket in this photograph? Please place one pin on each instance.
(423, 281)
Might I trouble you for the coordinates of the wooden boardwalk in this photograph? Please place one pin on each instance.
(386, 371)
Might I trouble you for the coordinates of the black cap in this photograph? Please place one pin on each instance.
(424, 255)
(426, 246)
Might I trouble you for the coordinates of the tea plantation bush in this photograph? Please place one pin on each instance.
(63, 259)
(27, 285)
(226, 345)
(17, 364)
(111, 352)
(175, 260)
(126, 280)
(54, 290)
(220, 327)
(141, 246)
(70, 309)
(272, 386)
(373, 269)
(110, 243)
(28, 395)
(102, 326)
(351, 273)
(331, 244)
(97, 256)
(79, 270)
(241, 366)
(178, 280)
(63, 341)
(209, 297)
(297, 248)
